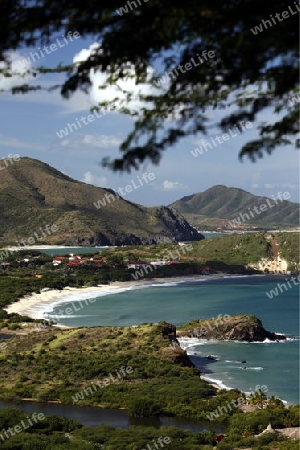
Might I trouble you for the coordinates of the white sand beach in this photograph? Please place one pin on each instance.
(36, 304)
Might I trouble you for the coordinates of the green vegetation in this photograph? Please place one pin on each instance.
(59, 433)
(216, 206)
(235, 327)
(60, 364)
(244, 249)
(219, 321)
(230, 253)
(288, 246)
(56, 364)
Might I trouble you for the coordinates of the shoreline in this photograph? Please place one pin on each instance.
(34, 305)
(219, 384)
(14, 248)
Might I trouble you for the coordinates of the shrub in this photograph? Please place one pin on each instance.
(144, 407)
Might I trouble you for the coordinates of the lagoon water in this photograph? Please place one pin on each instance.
(275, 365)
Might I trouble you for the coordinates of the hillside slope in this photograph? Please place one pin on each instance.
(33, 194)
(268, 252)
(227, 204)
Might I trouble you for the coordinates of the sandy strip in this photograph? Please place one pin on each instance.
(35, 304)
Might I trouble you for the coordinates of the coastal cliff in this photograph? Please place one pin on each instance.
(174, 352)
(235, 328)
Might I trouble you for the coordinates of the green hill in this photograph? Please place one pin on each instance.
(219, 205)
(34, 194)
(269, 252)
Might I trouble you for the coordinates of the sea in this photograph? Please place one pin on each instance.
(271, 365)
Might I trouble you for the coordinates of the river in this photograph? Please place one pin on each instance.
(92, 416)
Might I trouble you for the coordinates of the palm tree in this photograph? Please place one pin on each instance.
(259, 399)
(275, 403)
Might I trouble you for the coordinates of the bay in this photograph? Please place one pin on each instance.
(275, 365)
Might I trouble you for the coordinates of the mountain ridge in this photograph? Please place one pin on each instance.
(224, 204)
(33, 194)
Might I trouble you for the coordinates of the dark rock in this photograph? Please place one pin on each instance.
(234, 328)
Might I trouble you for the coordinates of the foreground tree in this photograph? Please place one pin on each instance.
(235, 54)
(259, 399)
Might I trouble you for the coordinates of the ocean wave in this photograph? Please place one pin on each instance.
(188, 343)
(250, 368)
(167, 284)
(84, 297)
(266, 341)
(232, 362)
(217, 382)
(65, 316)
(243, 276)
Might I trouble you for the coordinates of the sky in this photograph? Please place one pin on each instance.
(31, 126)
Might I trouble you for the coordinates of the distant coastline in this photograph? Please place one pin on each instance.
(36, 304)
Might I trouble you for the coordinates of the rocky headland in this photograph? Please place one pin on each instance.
(235, 328)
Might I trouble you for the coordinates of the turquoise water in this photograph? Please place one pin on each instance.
(275, 365)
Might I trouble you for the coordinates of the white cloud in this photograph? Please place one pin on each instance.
(121, 88)
(101, 140)
(280, 185)
(172, 185)
(18, 67)
(65, 142)
(91, 140)
(275, 185)
(290, 185)
(89, 178)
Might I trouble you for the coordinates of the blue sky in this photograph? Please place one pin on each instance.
(29, 124)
